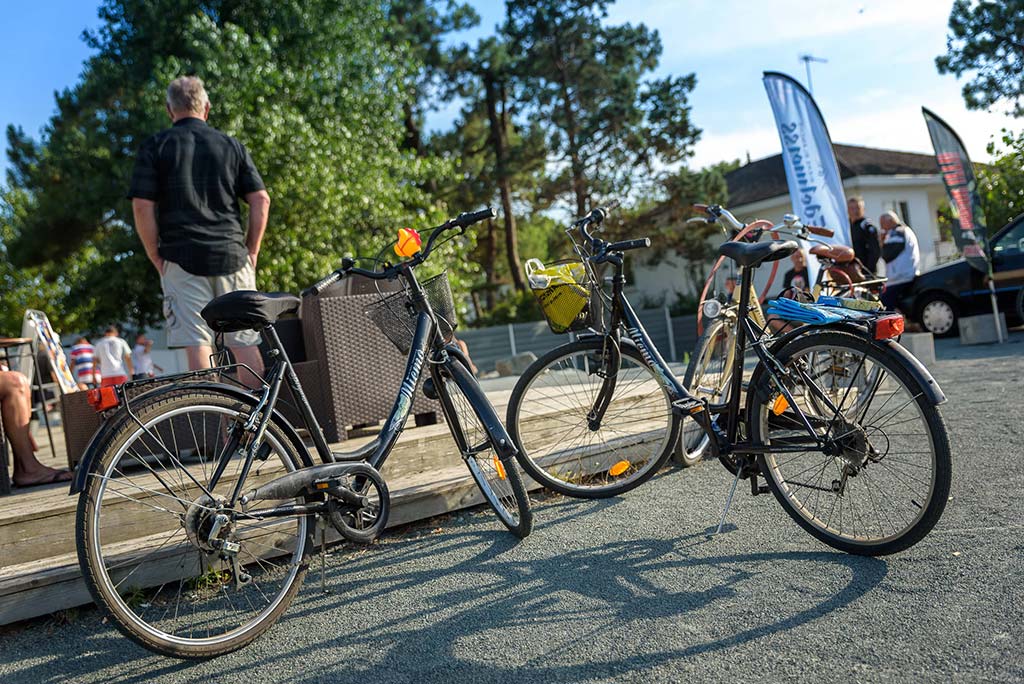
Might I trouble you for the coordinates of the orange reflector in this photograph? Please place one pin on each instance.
(889, 326)
(618, 468)
(102, 398)
(780, 405)
(499, 467)
(322, 485)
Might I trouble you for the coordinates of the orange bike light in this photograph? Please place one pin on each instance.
(889, 326)
(102, 398)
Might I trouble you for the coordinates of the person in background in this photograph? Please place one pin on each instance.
(83, 364)
(16, 410)
(796, 276)
(115, 358)
(902, 258)
(185, 193)
(142, 358)
(864, 235)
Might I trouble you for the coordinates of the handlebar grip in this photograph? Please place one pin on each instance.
(322, 284)
(467, 219)
(629, 244)
(818, 230)
(700, 207)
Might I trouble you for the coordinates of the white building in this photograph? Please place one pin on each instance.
(905, 182)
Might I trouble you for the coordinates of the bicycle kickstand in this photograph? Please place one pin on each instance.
(728, 500)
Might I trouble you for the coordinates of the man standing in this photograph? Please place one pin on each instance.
(902, 258)
(185, 193)
(115, 358)
(863, 234)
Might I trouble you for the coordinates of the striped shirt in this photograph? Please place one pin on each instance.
(83, 359)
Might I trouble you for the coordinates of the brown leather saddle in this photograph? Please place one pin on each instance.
(840, 254)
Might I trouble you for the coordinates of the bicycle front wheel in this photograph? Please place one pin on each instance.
(562, 449)
(882, 479)
(707, 377)
(180, 571)
(463, 403)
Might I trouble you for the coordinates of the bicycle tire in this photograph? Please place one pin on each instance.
(495, 475)
(91, 532)
(712, 355)
(596, 465)
(832, 344)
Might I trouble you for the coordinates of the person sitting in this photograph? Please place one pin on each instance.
(902, 258)
(796, 276)
(16, 409)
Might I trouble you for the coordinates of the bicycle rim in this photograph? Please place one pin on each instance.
(887, 481)
(561, 450)
(147, 513)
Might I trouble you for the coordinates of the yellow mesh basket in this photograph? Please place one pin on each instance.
(563, 291)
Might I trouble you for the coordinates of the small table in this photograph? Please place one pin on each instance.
(9, 343)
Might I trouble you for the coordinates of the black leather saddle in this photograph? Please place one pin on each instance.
(248, 310)
(753, 253)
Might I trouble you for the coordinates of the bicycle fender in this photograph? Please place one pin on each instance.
(91, 452)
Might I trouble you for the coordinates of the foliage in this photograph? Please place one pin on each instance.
(311, 88)
(609, 124)
(517, 306)
(986, 39)
(1001, 183)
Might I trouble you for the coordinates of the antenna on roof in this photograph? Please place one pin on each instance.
(807, 59)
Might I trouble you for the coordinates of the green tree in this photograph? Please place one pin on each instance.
(1001, 183)
(986, 39)
(609, 123)
(312, 87)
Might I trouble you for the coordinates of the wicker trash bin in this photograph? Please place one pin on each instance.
(360, 368)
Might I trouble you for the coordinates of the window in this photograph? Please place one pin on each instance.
(1012, 243)
(901, 207)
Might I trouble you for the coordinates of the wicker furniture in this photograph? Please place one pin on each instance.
(360, 368)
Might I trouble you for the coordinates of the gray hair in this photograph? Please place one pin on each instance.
(893, 217)
(186, 95)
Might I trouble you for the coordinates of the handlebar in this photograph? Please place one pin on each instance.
(348, 267)
(602, 249)
(818, 230)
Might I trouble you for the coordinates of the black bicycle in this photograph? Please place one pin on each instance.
(198, 499)
(838, 417)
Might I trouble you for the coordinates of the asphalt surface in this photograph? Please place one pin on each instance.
(631, 589)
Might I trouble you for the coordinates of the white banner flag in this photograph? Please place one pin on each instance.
(815, 187)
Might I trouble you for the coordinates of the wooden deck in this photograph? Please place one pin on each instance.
(39, 571)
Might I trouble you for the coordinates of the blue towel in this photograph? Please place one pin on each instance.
(812, 314)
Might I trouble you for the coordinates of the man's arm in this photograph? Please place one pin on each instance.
(259, 210)
(145, 226)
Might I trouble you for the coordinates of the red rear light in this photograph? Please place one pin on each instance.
(102, 398)
(887, 327)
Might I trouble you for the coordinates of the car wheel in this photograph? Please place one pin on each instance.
(938, 315)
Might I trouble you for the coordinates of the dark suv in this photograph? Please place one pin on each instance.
(940, 296)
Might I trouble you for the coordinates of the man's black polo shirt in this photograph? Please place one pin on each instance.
(196, 175)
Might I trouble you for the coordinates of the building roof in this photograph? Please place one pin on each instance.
(766, 178)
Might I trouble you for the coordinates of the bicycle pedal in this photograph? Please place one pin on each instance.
(688, 406)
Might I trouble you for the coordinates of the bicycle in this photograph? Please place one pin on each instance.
(707, 373)
(226, 491)
(836, 461)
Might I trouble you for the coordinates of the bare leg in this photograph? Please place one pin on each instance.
(198, 356)
(16, 408)
(252, 358)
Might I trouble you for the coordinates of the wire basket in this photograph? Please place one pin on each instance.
(396, 318)
(567, 306)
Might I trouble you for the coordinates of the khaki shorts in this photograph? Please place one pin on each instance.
(186, 294)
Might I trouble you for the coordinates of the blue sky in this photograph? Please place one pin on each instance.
(880, 67)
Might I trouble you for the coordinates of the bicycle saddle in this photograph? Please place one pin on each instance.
(248, 310)
(752, 254)
(841, 254)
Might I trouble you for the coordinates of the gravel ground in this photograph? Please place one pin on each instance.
(632, 589)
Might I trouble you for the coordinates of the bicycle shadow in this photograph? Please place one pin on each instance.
(414, 618)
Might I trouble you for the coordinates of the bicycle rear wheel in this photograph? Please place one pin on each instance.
(496, 476)
(147, 526)
(548, 419)
(882, 481)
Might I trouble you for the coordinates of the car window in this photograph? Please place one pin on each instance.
(1012, 243)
